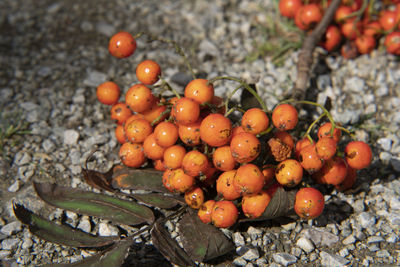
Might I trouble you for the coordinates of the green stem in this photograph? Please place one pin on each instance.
(266, 131)
(169, 87)
(245, 85)
(234, 109)
(313, 124)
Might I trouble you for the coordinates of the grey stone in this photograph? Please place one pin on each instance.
(332, 260)
(385, 143)
(71, 137)
(107, 230)
(75, 156)
(95, 78)
(383, 253)
(359, 205)
(354, 84)
(238, 239)
(289, 226)
(394, 203)
(296, 252)
(366, 219)
(349, 240)
(344, 252)
(4, 254)
(14, 187)
(395, 162)
(251, 254)
(254, 233)
(305, 244)
(105, 28)
(284, 258)
(11, 228)
(375, 239)
(320, 237)
(27, 243)
(22, 158)
(10, 243)
(239, 261)
(84, 224)
(385, 157)
(392, 238)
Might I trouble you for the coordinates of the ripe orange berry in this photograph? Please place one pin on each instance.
(158, 165)
(245, 147)
(309, 203)
(285, 117)
(166, 179)
(224, 214)
(215, 130)
(148, 72)
(325, 130)
(326, 147)
(139, 98)
(248, 179)
(156, 113)
(152, 150)
(200, 91)
(195, 163)
(120, 134)
(186, 111)
(173, 156)
(108, 93)
(309, 159)
(225, 185)
(285, 137)
(223, 159)
(333, 171)
(120, 112)
(194, 198)
(133, 117)
(122, 45)
(237, 130)
(289, 173)
(166, 134)
(205, 210)
(268, 171)
(358, 155)
(348, 181)
(190, 134)
(300, 145)
(132, 155)
(254, 121)
(180, 181)
(137, 130)
(254, 205)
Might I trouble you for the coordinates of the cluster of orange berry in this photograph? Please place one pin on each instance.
(200, 150)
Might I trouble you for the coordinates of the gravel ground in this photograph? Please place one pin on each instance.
(54, 54)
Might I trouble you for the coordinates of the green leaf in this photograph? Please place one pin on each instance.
(114, 257)
(202, 241)
(157, 200)
(142, 179)
(58, 233)
(99, 205)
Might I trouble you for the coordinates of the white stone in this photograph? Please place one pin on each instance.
(71, 137)
(11, 228)
(332, 260)
(14, 187)
(305, 244)
(107, 230)
(284, 258)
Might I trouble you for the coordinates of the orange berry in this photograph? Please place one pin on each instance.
(215, 130)
(225, 185)
(133, 117)
(156, 113)
(289, 173)
(245, 147)
(309, 203)
(348, 181)
(108, 93)
(224, 214)
(158, 165)
(194, 198)
(309, 159)
(358, 155)
(333, 171)
(254, 205)
(166, 180)
(195, 163)
(325, 130)
(173, 156)
(326, 147)
(132, 155)
(139, 98)
(166, 134)
(237, 130)
(248, 179)
(186, 111)
(200, 91)
(300, 145)
(122, 45)
(205, 210)
(152, 150)
(285, 117)
(180, 181)
(148, 72)
(268, 171)
(223, 159)
(190, 134)
(120, 134)
(254, 121)
(137, 130)
(120, 112)
(285, 137)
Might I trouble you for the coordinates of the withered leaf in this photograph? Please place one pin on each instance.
(100, 205)
(114, 256)
(142, 179)
(59, 233)
(202, 241)
(168, 247)
(281, 204)
(158, 200)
